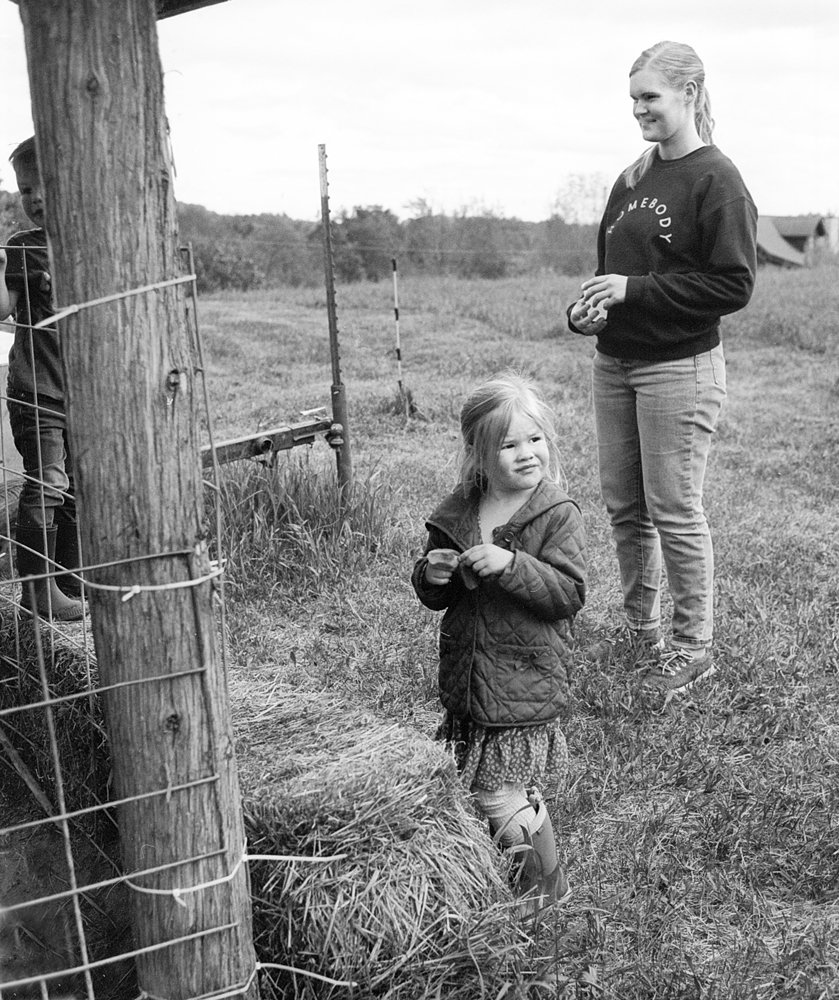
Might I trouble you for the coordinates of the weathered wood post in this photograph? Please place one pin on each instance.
(97, 96)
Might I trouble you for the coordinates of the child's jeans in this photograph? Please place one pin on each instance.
(40, 435)
(654, 425)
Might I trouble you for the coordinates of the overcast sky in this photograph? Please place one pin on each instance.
(469, 103)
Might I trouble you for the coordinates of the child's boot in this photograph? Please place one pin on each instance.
(542, 880)
(67, 554)
(50, 602)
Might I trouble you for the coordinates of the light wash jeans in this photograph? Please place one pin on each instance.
(654, 424)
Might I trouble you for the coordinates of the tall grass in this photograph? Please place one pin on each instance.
(286, 528)
(703, 841)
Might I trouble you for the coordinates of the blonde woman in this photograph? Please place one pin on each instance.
(676, 251)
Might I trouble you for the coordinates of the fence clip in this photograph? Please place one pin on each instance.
(335, 436)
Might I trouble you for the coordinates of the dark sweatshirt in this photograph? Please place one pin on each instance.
(685, 237)
(27, 273)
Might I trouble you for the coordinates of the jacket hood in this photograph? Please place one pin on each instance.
(454, 514)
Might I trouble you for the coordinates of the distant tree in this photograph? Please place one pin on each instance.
(222, 258)
(581, 198)
(195, 222)
(427, 239)
(567, 248)
(346, 260)
(227, 264)
(12, 217)
(249, 251)
(480, 248)
(288, 256)
(252, 251)
(375, 236)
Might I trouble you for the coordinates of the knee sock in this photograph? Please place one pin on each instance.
(508, 810)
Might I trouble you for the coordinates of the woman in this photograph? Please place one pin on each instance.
(676, 251)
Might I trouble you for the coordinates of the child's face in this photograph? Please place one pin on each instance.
(523, 458)
(31, 197)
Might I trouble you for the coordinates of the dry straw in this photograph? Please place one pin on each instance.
(416, 903)
(79, 730)
(418, 907)
(40, 938)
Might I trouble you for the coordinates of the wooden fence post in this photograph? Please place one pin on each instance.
(133, 400)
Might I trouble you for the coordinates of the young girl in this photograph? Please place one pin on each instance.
(505, 560)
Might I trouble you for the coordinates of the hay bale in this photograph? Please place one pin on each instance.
(9, 496)
(41, 937)
(79, 729)
(416, 903)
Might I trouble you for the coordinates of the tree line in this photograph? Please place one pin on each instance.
(254, 251)
(245, 252)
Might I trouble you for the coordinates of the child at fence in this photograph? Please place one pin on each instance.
(505, 560)
(46, 517)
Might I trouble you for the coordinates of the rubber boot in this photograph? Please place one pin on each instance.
(542, 881)
(67, 555)
(29, 558)
(536, 877)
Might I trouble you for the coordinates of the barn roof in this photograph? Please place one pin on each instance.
(802, 226)
(773, 247)
(168, 8)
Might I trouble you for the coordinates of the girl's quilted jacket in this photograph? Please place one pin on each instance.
(504, 646)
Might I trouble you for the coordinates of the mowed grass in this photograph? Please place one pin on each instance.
(702, 841)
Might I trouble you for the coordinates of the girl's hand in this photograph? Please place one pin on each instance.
(2, 260)
(604, 291)
(441, 565)
(487, 559)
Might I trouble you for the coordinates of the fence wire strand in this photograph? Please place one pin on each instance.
(50, 639)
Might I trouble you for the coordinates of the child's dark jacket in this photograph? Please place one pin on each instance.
(27, 273)
(503, 645)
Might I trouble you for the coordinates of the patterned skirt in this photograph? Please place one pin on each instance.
(486, 757)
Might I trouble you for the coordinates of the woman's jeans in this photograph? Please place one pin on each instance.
(654, 424)
(40, 435)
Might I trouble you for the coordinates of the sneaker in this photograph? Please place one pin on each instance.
(633, 648)
(676, 671)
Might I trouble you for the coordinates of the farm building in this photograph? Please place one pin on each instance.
(790, 240)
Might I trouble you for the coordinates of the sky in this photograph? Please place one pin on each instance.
(468, 105)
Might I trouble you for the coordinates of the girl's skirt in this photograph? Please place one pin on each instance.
(487, 757)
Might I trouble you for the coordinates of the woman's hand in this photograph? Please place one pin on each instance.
(487, 559)
(586, 319)
(604, 291)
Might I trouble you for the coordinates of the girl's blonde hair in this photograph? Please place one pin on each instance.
(677, 63)
(485, 418)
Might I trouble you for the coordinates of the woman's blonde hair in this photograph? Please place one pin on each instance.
(485, 418)
(677, 63)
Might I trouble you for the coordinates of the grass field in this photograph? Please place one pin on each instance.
(702, 842)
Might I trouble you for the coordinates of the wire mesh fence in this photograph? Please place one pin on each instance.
(66, 890)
